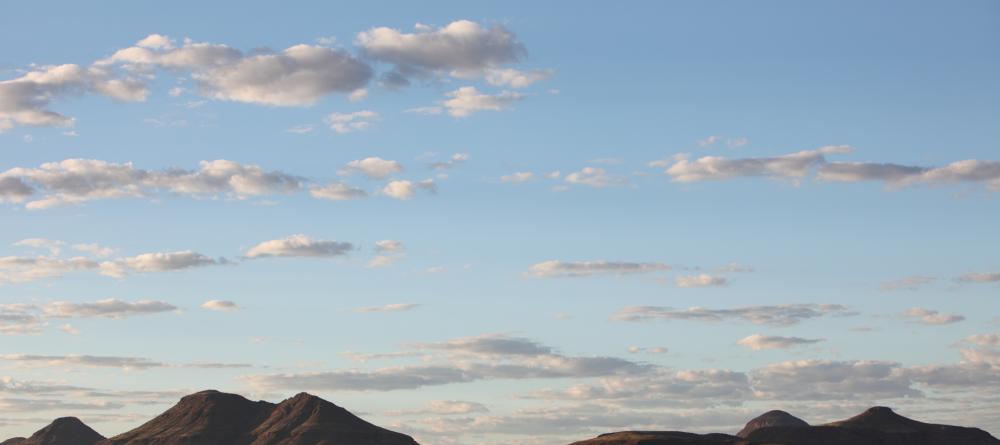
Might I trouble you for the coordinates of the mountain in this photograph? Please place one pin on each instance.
(217, 418)
(875, 426)
(62, 431)
(207, 417)
(771, 418)
(213, 418)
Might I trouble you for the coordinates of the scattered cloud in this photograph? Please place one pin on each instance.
(299, 246)
(372, 167)
(350, 122)
(395, 307)
(517, 177)
(700, 280)
(980, 277)
(930, 317)
(466, 101)
(594, 177)
(553, 268)
(405, 189)
(778, 315)
(220, 305)
(794, 166)
(337, 191)
(910, 283)
(759, 342)
(107, 308)
(158, 262)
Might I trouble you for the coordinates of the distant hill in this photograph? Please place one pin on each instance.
(62, 431)
(875, 426)
(217, 418)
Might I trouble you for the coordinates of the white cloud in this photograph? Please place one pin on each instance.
(405, 189)
(158, 262)
(895, 175)
(832, 380)
(555, 268)
(94, 249)
(700, 280)
(445, 408)
(298, 75)
(372, 167)
(461, 46)
(24, 100)
(349, 122)
(220, 305)
(931, 317)
(759, 342)
(126, 363)
(778, 315)
(518, 177)
(336, 191)
(395, 307)
(594, 177)
(74, 181)
(454, 160)
(793, 166)
(467, 101)
(357, 95)
(299, 246)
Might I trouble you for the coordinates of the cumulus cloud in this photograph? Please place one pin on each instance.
(911, 283)
(336, 191)
(395, 307)
(700, 280)
(797, 166)
(298, 75)
(405, 189)
(594, 177)
(24, 100)
(462, 47)
(220, 305)
(372, 167)
(553, 268)
(759, 342)
(466, 101)
(778, 315)
(299, 246)
(350, 122)
(158, 262)
(74, 181)
(930, 317)
(794, 166)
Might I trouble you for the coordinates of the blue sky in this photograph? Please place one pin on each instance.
(725, 202)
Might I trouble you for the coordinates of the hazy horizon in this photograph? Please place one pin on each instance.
(502, 222)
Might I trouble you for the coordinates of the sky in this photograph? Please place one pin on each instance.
(501, 222)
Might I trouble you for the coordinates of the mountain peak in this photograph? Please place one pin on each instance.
(769, 419)
(882, 418)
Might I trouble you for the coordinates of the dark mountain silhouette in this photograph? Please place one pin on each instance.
(771, 418)
(62, 431)
(876, 426)
(217, 418)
